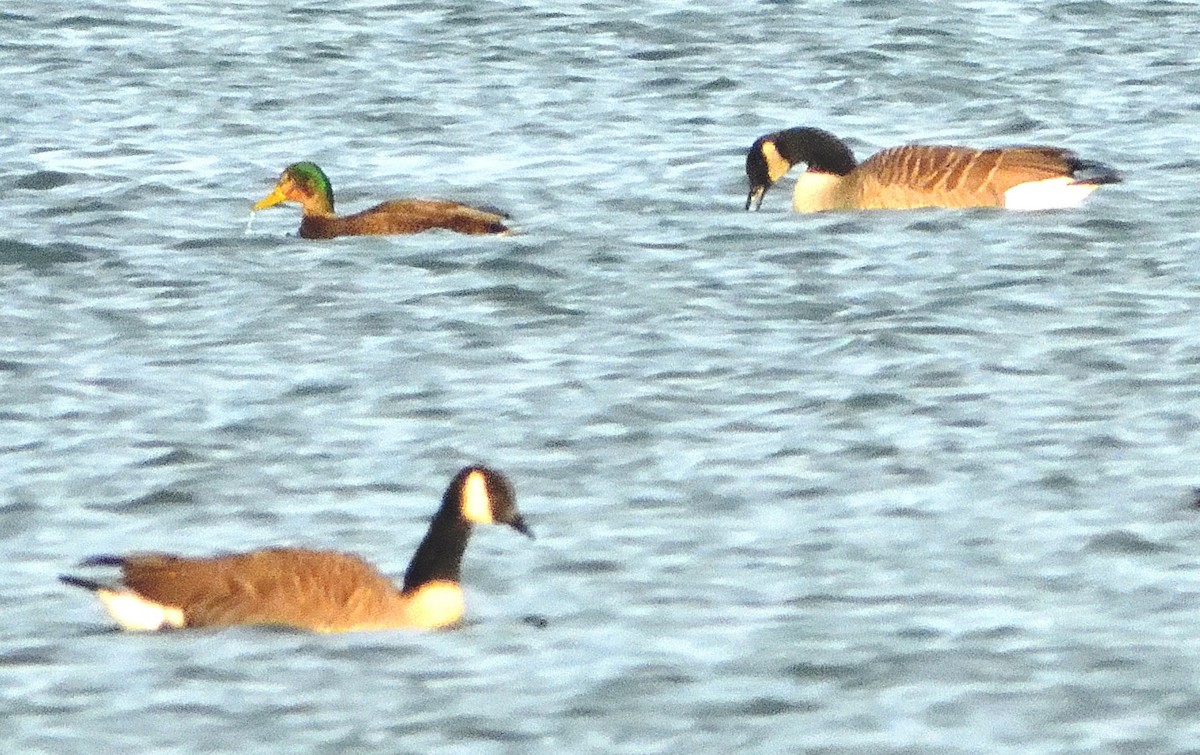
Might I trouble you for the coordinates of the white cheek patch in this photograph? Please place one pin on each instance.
(776, 165)
(138, 614)
(1050, 194)
(476, 505)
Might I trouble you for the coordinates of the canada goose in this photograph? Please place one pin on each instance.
(307, 184)
(322, 591)
(917, 175)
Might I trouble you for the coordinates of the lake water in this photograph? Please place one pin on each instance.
(877, 483)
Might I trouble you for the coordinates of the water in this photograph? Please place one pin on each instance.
(913, 482)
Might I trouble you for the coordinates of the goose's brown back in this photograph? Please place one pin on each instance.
(318, 590)
(915, 176)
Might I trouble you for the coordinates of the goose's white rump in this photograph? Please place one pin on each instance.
(1049, 194)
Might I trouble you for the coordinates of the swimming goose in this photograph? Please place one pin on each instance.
(321, 591)
(307, 185)
(917, 175)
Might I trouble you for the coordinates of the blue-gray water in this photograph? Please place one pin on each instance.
(876, 483)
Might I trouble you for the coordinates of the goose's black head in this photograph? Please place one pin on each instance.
(773, 155)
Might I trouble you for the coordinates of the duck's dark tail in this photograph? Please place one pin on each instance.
(90, 561)
(87, 584)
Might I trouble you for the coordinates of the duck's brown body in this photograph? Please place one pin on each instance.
(403, 216)
(321, 591)
(307, 185)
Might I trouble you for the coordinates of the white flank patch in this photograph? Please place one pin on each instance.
(476, 506)
(1051, 194)
(138, 614)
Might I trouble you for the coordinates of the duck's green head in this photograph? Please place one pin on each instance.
(304, 183)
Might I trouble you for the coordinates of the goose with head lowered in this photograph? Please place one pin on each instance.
(919, 175)
(320, 591)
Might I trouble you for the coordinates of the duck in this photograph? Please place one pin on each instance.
(310, 590)
(919, 175)
(307, 185)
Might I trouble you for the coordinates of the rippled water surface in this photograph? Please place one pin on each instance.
(892, 482)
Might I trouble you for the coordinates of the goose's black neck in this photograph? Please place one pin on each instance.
(440, 554)
(820, 150)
